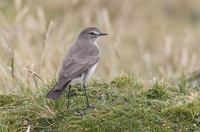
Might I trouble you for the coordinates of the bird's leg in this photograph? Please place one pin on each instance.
(87, 101)
(68, 96)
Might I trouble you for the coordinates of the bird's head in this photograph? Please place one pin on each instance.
(91, 33)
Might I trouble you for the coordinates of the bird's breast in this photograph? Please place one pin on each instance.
(87, 75)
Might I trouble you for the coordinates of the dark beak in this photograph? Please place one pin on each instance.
(102, 34)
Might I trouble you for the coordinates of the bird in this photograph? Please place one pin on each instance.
(79, 63)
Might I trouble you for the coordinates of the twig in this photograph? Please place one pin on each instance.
(35, 80)
(34, 74)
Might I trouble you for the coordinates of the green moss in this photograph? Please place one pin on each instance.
(10, 100)
(158, 91)
(122, 105)
(185, 116)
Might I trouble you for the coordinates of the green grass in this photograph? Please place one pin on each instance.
(124, 104)
(161, 38)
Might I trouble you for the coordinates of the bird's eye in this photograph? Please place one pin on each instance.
(92, 33)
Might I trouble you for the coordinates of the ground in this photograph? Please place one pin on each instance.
(124, 104)
(155, 39)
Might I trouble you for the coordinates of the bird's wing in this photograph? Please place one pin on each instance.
(76, 66)
(73, 67)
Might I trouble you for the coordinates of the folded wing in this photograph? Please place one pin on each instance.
(74, 67)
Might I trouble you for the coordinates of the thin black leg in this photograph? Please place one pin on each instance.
(68, 96)
(87, 101)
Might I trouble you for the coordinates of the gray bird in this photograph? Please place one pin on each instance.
(79, 63)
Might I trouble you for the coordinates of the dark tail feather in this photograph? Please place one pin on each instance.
(56, 91)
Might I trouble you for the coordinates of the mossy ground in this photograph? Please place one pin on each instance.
(124, 104)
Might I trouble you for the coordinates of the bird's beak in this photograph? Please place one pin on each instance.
(102, 34)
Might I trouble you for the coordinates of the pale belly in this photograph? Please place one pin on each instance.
(85, 76)
(89, 73)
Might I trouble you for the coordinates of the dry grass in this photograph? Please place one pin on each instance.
(152, 38)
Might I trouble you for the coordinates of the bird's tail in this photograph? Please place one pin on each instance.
(56, 91)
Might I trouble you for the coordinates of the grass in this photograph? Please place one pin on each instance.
(124, 104)
(161, 38)
(154, 39)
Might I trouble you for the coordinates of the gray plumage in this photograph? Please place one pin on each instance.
(79, 62)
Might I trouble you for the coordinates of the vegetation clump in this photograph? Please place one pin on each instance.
(124, 104)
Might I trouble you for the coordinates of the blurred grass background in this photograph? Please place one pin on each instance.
(151, 38)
